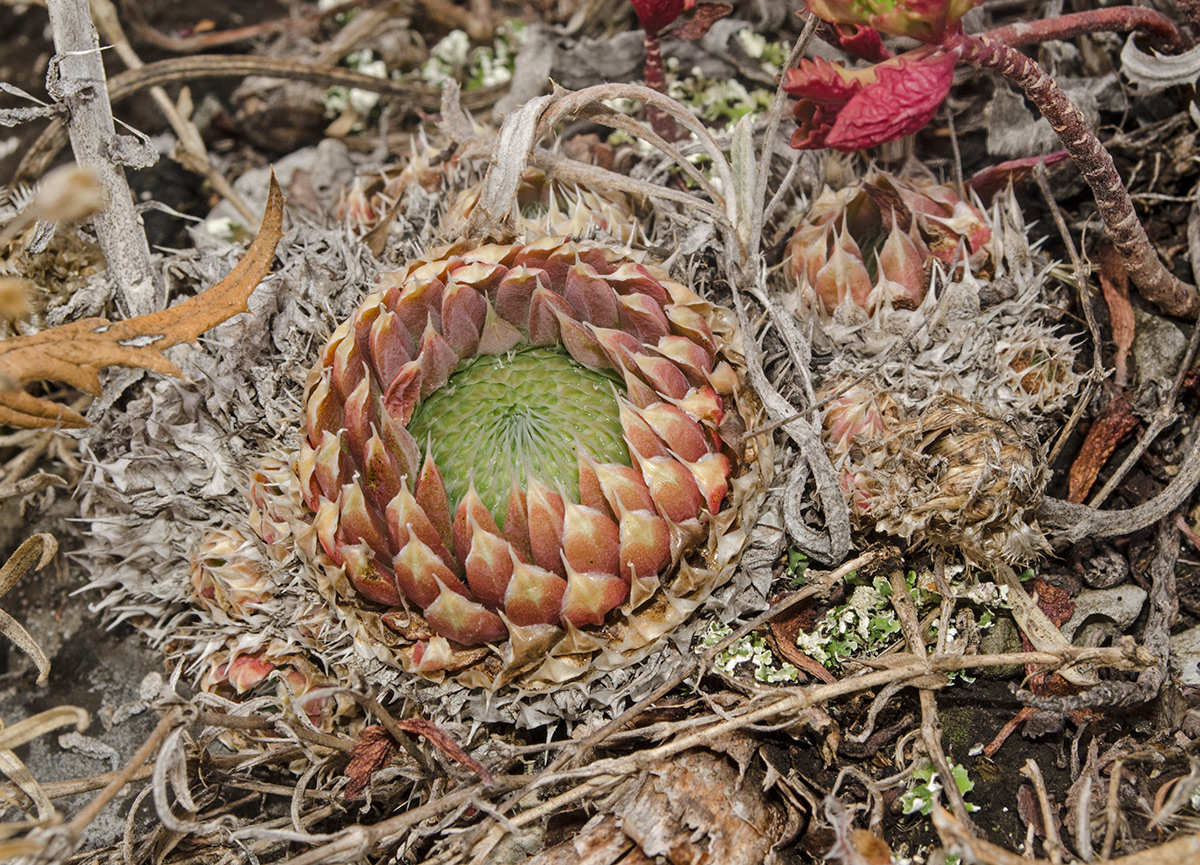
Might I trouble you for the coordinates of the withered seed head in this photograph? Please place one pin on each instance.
(956, 478)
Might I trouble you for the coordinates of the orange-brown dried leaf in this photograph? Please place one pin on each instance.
(1056, 603)
(370, 754)
(1109, 430)
(1115, 282)
(782, 641)
(74, 353)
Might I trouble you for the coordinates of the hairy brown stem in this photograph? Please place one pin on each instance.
(656, 79)
(1117, 19)
(1157, 284)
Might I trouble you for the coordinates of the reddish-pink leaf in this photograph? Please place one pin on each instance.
(1108, 431)
(442, 741)
(853, 109)
(1114, 280)
(657, 14)
(992, 180)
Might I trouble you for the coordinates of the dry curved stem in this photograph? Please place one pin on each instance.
(42, 153)
(33, 554)
(1157, 284)
(190, 152)
(1074, 522)
(12, 737)
(515, 145)
(956, 836)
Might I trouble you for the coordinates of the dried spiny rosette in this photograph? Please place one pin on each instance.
(368, 200)
(547, 206)
(956, 478)
(518, 460)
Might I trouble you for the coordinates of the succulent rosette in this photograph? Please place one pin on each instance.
(877, 240)
(518, 460)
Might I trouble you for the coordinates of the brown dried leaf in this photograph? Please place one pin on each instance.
(704, 17)
(1029, 811)
(1115, 282)
(1110, 429)
(442, 741)
(370, 754)
(75, 353)
(782, 640)
(873, 849)
(696, 808)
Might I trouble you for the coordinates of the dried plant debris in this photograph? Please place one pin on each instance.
(75, 353)
(694, 807)
(243, 518)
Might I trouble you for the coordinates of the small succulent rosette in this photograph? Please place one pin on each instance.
(520, 463)
(945, 366)
(876, 241)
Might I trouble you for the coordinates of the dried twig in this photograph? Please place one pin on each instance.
(1157, 284)
(77, 80)
(931, 728)
(1080, 272)
(956, 836)
(47, 146)
(190, 152)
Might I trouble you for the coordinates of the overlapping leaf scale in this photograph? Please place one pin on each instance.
(379, 502)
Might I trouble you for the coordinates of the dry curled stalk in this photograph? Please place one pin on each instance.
(34, 554)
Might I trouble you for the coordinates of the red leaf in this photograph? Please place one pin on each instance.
(853, 109)
(991, 180)
(657, 14)
(1108, 431)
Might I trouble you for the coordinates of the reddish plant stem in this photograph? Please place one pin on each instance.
(656, 79)
(1156, 284)
(1116, 19)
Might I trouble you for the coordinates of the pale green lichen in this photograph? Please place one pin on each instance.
(484, 66)
(751, 649)
(866, 623)
(925, 785)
